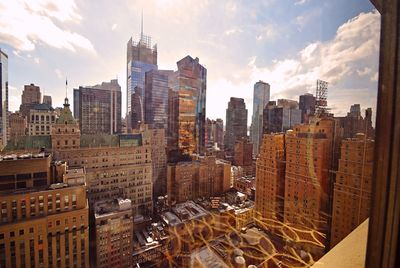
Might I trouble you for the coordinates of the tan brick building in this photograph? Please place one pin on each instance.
(65, 133)
(158, 157)
(114, 172)
(41, 119)
(17, 126)
(204, 177)
(270, 177)
(42, 224)
(114, 230)
(352, 189)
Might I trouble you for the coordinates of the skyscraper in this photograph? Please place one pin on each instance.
(29, 98)
(236, 123)
(352, 187)
(307, 106)
(260, 99)
(3, 96)
(157, 85)
(188, 107)
(281, 117)
(98, 108)
(215, 133)
(141, 58)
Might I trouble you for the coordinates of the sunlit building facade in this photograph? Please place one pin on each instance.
(270, 177)
(187, 109)
(261, 97)
(352, 187)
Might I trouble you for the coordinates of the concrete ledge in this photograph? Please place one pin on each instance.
(349, 253)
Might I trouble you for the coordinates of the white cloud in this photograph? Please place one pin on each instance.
(36, 60)
(267, 32)
(25, 24)
(352, 52)
(300, 2)
(232, 31)
(114, 27)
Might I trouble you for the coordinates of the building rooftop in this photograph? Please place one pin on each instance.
(148, 237)
(107, 207)
(24, 156)
(183, 212)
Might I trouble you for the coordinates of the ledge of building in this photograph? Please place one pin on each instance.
(350, 252)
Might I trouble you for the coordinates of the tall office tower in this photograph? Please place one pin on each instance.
(307, 106)
(243, 155)
(41, 119)
(158, 145)
(17, 126)
(114, 230)
(141, 57)
(352, 189)
(3, 97)
(270, 177)
(123, 171)
(98, 108)
(43, 224)
(214, 133)
(307, 178)
(190, 106)
(236, 123)
(65, 133)
(202, 177)
(157, 85)
(260, 99)
(137, 113)
(47, 99)
(354, 123)
(29, 98)
(281, 117)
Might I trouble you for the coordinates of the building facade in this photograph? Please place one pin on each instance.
(307, 106)
(98, 108)
(261, 97)
(41, 119)
(157, 85)
(354, 123)
(281, 117)
(116, 172)
(157, 139)
(114, 230)
(243, 155)
(352, 188)
(43, 224)
(204, 177)
(65, 133)
(3, 97)
(188, 107)
(236, 123)
(17, 126)
(309, 158)
(270, 178)
(141, 57)
(47, 100)
(215, 133)
(30, 96)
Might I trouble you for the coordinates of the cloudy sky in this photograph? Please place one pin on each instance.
(287, 43)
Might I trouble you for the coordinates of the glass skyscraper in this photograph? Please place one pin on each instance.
(141, 58)
(260, 99)
(3, 95)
